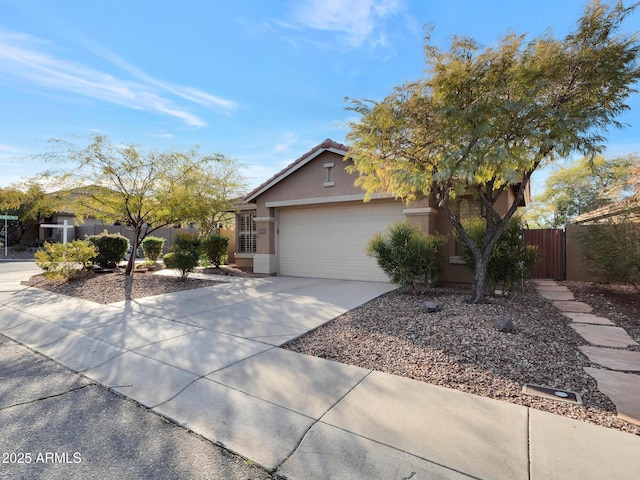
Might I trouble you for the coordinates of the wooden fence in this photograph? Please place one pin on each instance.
(551, 253)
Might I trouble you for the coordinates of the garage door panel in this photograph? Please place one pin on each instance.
(330, 242)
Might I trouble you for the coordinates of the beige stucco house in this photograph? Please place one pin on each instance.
(310, 220)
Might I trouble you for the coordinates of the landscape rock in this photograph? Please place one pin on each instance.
(463, 350)
(504, 324)
(431, 307)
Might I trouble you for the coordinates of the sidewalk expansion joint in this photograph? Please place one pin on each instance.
(529, 442)
(201, 377)
(319, 420)
(442, 465)
(316, 421)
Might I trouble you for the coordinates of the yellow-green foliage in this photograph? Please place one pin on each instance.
(68, 261)
(483, 120)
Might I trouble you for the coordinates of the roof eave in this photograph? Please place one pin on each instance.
(326, 146)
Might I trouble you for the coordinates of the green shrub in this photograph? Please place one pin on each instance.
(19, 247)
(408, 256)
(167, 259)
(152, 248)
(612, 250)
(111, 248)
(214, 248)
(68, 261)
(510, 258)
(184, 255)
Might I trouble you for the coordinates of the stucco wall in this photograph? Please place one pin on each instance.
(308, 182)
(576, 266)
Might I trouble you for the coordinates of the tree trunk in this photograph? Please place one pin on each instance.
(132, 258)
(479, 286)
(22, 232)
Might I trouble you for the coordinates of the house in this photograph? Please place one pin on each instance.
(627, 210)
(310, 220)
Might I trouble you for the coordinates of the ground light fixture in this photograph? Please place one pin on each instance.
(552, 393)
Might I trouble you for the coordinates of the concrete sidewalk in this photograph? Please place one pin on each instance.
(208, 359)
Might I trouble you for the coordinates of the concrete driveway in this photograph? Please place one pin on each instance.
(177, 337)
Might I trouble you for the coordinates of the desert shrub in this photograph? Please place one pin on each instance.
(214, 248)
(408, 256)
(184, 255)
(612, 250)
(111, 248)
(68, 261)
(167, 259)
(510, 258)
(152, 248)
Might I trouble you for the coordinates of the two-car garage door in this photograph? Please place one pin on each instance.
(330, 242)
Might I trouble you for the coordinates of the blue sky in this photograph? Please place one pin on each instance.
(260, 81)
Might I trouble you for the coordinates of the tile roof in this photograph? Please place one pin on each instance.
(326, 145)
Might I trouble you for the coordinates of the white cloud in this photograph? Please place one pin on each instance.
(256, 174)
(161, 135)
(188, 93)
(288, 141)
(25, 59)
(359, 21)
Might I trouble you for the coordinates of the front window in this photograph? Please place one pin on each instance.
(246, 233)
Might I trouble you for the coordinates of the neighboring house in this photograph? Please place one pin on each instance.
(627, 209)
(55, 234)
(93, 226)
(310, 220)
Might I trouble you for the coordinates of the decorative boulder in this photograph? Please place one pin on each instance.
(431, 307)
(504, 325)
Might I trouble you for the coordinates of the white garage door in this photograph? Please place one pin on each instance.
(330, 242)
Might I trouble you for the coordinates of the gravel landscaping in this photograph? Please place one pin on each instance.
(457, 347)
(116, 287)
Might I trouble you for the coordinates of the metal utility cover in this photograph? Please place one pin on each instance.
(552, 393)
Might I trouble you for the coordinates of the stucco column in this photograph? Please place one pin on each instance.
(424, 217)
(265, 260)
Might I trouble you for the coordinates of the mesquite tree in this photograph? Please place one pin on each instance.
(143, 189)
(483, 120)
